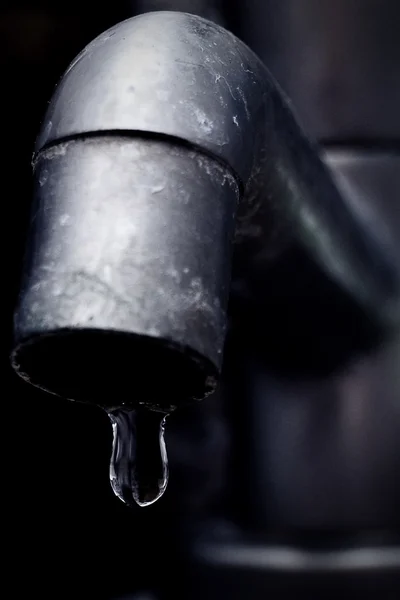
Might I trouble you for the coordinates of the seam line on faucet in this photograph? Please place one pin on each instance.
(149, 135)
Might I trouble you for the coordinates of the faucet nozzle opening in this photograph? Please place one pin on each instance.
(112, 368)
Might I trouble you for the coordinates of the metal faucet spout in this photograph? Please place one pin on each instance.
(168, 162)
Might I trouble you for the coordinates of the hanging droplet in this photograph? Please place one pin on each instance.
(139, 462)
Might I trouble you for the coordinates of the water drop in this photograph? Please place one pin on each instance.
(139, 463)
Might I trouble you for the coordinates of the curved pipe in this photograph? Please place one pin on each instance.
(154, 133)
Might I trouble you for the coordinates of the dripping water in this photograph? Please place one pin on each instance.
(139, 462)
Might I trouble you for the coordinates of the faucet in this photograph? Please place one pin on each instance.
(170, 172)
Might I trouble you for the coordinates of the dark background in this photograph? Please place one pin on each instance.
(65, 533)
